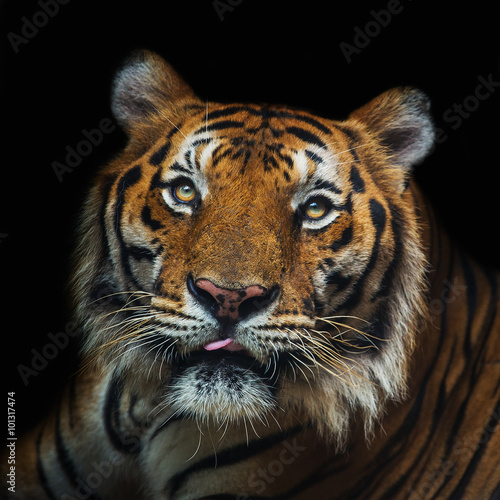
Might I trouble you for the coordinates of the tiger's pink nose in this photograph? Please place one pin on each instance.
(227, 303)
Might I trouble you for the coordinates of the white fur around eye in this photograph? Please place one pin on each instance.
(175, 205)
(309, 223)
(321, 222)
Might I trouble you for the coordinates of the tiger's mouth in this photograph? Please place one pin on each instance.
(222, 384)
(216, 360)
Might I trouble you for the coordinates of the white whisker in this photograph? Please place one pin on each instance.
(167, 118)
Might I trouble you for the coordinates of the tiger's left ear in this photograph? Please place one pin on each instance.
(146, 89)
(400, 120)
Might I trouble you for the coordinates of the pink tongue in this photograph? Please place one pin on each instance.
(227, 344)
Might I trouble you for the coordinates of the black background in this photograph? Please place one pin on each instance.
(58, 84)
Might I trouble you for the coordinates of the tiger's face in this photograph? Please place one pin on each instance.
(255, 259)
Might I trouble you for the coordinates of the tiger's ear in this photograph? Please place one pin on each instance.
(146, 87)
(401, 121)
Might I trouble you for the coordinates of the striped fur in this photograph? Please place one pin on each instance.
(368, 367)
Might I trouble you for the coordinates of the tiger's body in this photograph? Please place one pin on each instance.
(270, 310)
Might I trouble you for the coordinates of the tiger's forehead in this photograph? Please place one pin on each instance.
(259, 139)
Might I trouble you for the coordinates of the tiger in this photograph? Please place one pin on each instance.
(269, 307)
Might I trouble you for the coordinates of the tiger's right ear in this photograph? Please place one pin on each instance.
(400, 119)
(147, 88)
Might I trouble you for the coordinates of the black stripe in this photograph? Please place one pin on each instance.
(441, 401)
(231, 110)
(306, 136)
(157, 183)
(104, 292)
(172, 312)
(322, 184)
(248, 155)
(148, 220)
(352, 135)
(269, 162)
(303, 118)
(129, 179)
(41, 471)
(492, 423)
(338, 279)
(358, 184)
(287, 159)
(221, 126)
(175, 130)
(120, 440)
(239, 152)
(313, 157)
(344, 239)
(215, 152)
(240, 141)
(159, 155)
(353, 138)
(230, 456)
(187, 159)
(217, 159)
(386, 283)
(203, 140)
(63, 457)
(67, 464)
(179, 168)
(496, 493)
(378, 329)
(378, 216)
(141, 253)
(105, 196)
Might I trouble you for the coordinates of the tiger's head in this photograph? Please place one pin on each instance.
(250, 260)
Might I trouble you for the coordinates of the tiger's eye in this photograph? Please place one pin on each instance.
(185, 192)
(315, 209)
